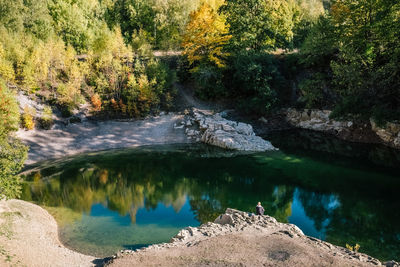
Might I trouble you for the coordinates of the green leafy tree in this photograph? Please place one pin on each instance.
(256, 79)
(12, 152)
(259, 24)
(366, 72)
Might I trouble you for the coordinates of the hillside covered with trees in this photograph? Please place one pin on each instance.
(259, 54)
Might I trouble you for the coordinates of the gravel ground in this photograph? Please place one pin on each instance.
(243, 239)
(90, 136)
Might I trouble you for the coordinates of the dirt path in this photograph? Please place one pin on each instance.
(29, 237)
(187, 99)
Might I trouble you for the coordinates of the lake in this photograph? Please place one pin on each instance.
(337, 191)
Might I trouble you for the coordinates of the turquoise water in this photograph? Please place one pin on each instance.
(336, 191)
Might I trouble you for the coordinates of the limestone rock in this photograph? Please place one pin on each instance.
(317, 120)
(215, 130)
(390, 133)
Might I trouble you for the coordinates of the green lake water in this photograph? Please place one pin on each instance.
(333, 190)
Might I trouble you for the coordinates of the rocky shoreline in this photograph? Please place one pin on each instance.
(355, 131)
(284, 245)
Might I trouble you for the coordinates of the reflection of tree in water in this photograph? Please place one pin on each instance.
(356, 219)
(128, 184)
(318, 207)
(353, 214)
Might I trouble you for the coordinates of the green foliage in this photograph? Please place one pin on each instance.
(321, 45)
(357, 47)
(76, 21)
(126, 83)
(161, 21)
(209, 81)
(256, 81)
(12, 157)
(46, 121)
(314, 91)
(26, 15)
(259, 25)
(9, 111)
(12, 151)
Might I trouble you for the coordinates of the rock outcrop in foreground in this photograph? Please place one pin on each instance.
(213, 129)
(240, 239)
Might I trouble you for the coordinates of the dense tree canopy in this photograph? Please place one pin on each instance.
(357, 46)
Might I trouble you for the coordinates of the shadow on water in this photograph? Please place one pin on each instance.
(113, 200)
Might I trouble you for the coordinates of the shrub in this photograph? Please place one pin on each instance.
(28, 118)
(9, 111)
(46, 121)
(313, 91)
(96, 102)
(209, 81)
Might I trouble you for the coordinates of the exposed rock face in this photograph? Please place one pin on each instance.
(390, 134)
(318, 120)
(215, 130)
(264, 242)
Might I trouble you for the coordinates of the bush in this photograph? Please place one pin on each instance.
(314, 91)
(209, 81)
(9, 111)
(46, 121)
(28, 118)
(96, 102)
(12, 152)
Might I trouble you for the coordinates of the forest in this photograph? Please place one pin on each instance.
(260, 55)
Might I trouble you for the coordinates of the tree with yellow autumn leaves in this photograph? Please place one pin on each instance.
(205, 37)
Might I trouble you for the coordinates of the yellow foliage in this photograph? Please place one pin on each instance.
(6, 68)
(114, 104)
(28, 118)
(205, 36)
(122, 106)
(355, 248)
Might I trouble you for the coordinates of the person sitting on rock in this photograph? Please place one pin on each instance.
(259, 209)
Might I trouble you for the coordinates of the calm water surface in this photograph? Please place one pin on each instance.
(336, 191)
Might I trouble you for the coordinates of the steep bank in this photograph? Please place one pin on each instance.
(29, 237)
(239, 239)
